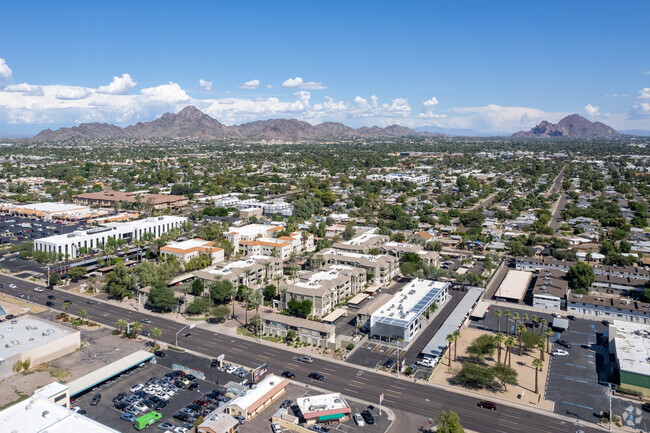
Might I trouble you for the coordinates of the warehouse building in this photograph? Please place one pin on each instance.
(408, 312)
(38, 340)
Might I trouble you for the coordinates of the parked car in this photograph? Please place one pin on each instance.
(166, 426)
(240, 418)
(487, 405)
(214, 364)
(136, 388)
(21, 295)
(645, 407)
(96, 399)
(389, 363)
(285, 404)
(119, 397)
(126, 416)
(288, 374)
(121, 405)
(307, 359)
(193, 386)
(605, 322)
(276, 427)
(564, 343)
(359, 419)
(319, 428)
(161, 404)
(316, 376)
(571, 317)
(428, 361)
(559, 352)
(367, 416)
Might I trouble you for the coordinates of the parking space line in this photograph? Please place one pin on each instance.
(578, 332)
(568, 402)
(584, 407)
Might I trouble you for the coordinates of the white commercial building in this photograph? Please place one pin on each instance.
(630, 342)
(70, 244)
(418, 179)
(250, 232)
(46, 411)
(403, 316)
(38, 340)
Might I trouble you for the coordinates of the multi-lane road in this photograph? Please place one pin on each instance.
(404, 395)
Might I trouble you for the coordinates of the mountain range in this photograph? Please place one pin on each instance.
(573, 126)
(191, 122)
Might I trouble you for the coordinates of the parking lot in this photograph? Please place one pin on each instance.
(576, 383)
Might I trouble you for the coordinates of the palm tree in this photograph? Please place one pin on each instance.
(541, 345)
(155, 333)
(266, 264)
(524, 318)
(507, 313)
(499, 339)
(245, 294)
(449, 339)
(319, 260)
(83, 314)
(543, 322)
(248, 272)
(456, 335)
(278, 279)
(510, 343)
(233, 292)
(538, 364)
(521, 328)
(255, 299)
(548, 333)
(135, 327)
(121, 325)
(589, 257)
(66, 305)
(140, 244)
(534, 319)
(516, 318)
(498, 313)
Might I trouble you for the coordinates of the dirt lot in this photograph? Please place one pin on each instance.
(98, 348)
(524, 391)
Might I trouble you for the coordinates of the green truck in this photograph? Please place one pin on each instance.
(146, 420)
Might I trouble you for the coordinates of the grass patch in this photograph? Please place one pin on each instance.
(246, 332)
(176, 349)
(18, 400)
(197, 319)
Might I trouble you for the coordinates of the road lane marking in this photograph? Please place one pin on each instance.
(351, 390)
(398, 387)
(329, 369)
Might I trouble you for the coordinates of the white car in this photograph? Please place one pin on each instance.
(428, 361)
(38, 289)
(359, 419)
(276, 427)
(140, 406)
(13, 286)
(136, 388)
(180, 430)
(559, 352)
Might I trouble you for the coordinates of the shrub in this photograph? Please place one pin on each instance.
(350, 346)
(628, 391)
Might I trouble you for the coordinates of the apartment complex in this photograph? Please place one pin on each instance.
(187, 250)
(308, 331)
(381, 268)
(328, 287)
(362, 243)
(249, 272)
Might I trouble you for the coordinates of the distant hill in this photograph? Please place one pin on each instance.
(191, 122)
(573, 126)
(639, 132)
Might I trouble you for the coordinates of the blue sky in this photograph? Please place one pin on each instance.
(481, 66)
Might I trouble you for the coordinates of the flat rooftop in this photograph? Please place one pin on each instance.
(364, 238)
(317, 406)
(632, 343)
(316, 279)
(27, 333)
(409, 302)
(260, 393)
(253, 229)
(39, 415)
(514, 285)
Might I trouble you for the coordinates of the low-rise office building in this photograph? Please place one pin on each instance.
(327, 287)
(249, 272)
(382, 268)
(40, 341)
(250, 232)
(186, 250)
(109, 198)
(69, 245)
(309, 331)
(266, 247)
(403, 317)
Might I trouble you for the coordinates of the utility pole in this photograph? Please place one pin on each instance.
(610, 407)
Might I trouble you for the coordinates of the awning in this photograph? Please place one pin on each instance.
(358, 299)
(334, 315)
(480, 310)
(332, 416)
(102, 374)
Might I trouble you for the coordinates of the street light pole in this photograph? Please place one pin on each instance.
(610, 406)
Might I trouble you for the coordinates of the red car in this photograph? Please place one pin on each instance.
(487, 405)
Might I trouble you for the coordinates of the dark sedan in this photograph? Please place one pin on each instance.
(316, 376)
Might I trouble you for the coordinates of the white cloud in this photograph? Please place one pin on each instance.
(26, 89)
(169, 93)
(71, 93)
(641, 107)
(5, 73)
(616, 95)
(269, 86)
(592, 110)
(301, 84)
(252, 84)
(497, 119)
(428, 109)
(119, 86)
(206, 86)
(431, 102)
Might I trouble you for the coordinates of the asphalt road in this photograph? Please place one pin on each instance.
(556, 218)
(402, 395)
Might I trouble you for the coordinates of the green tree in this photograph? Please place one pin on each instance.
(197, 287)
(499, 314)
(155, 334)
(199, 305)
(448, 422)
(220, 291)
(482, 346)
(580, 278)
(121, 325)
(499, 339)
(162, 298)
(55, 278)
(505, 375)
(449, 339)
(474, 375)
(255, 299)
(120, 283)
(349, 231)
(269, 292)
(509, 343)
(77, 272)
